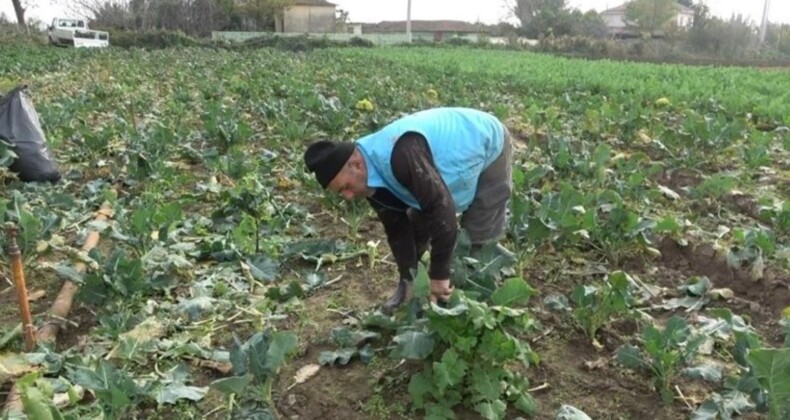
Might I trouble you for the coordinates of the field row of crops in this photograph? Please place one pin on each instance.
(650, 225)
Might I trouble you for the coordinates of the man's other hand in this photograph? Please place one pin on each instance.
(441, 290)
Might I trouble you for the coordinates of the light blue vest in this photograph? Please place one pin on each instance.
(464, 142)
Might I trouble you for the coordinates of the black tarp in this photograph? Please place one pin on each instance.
(19, 126)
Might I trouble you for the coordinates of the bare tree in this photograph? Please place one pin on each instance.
(193, 17)
(88, 8)
(20, 12)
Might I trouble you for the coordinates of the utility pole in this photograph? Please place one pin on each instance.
(764, 25)
(408, 20)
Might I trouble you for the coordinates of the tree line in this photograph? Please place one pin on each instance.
(649, 19)
(536, 19)
(192, 17)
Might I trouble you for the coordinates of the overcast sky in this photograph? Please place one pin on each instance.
(487, 11)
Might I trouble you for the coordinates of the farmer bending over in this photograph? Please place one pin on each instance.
(418, 173)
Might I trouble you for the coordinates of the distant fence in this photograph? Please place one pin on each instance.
(377, 39)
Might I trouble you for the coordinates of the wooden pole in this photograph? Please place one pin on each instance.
(408, 21)
(15, 255)
(764, 23)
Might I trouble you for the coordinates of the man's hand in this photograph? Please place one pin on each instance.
(441, 290)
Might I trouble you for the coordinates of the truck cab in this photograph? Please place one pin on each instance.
(75, 33)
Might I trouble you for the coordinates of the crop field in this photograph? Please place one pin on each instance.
(650, 225)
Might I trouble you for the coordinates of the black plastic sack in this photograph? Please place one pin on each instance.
(19, 126)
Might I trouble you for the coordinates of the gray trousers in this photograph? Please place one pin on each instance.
(486, 217)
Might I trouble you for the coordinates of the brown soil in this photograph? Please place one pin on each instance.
(340, 392)
(678, 180)
(352, 391)
(380, 390)
(745, 204)
(761, 301)
(35, 281)
(578, 375)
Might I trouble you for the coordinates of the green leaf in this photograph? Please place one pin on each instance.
(438, 411)
(723, 406)
(263, 268)
(196, 308)
(379, 320)
(514, 292)
(232, 385)
(282, 344)
(284, 293)
(492, 410)
(238, 357)
(675, 332)
(171, 393)
(486, 383)
(619, 281)
(340, 357)
(314, 280)
(345, 337)
(706, 411)
(556, 302)
(422, 283)
(536, 174)
(668, 224)
(630, 357)
(114, 387)
(366, 354)
(602, 154)
(69, 273)
(412, 345)
(526, 404)
(420, 384)
(519, 179)
(537, 230)
(313, 249)
(696, 286)
(449, 372)
(499, 345)
(772, 370)
(256, 352)
(708, 372)
(36, 404)
(456, 310)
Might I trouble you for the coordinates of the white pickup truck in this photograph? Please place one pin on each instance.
(75, 33)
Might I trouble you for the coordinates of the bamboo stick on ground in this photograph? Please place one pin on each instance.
(62, 305)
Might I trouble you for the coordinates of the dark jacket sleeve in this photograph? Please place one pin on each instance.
(392, 214)
(413, 166)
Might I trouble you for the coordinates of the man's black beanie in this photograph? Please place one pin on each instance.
(326, 159)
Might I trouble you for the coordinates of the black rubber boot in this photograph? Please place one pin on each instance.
(397, 299)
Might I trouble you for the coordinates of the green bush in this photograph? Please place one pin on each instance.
(152, 39)
(290, 43)
(360, 42)
(13, 34)
(458, 41)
